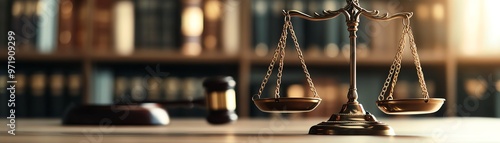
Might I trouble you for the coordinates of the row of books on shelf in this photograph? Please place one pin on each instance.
(331, 38)
(112, 87)
(41, 93)
(122, 26)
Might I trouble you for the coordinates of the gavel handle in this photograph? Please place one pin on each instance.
(179, 103)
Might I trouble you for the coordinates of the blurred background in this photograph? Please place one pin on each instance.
(100, 52)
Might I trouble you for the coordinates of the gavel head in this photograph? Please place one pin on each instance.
(220, 99)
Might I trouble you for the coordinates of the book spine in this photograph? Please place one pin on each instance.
(74, 90)
(24, 23)
(170, 24)
(5, 14)
(81, 24)
(140, 7)
(102, 35)
(497, 93)
(4, 96)
(56, 100)
(212, 22)
(66, 35)
(123, 27)
(38, 100)
(16, 15)
(172, 87)
(102, 91)
(298, 24)
(314, 30)
(188, 92)
(440, 26)
(344, 35)
(363, 34)
(32, 19)
(21, 95)
(147, 28)
(260, 27)
(48, 14)
(121, 86)
(192, 27)
(384, 36)
(275, 22)
(332, 30)
(230, 27)
(153, 89)
(423, 20)
(137, 90)
(198, 93)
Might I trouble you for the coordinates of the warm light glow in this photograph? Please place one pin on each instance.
(66, 9)
(261, 49)
(124, 27)
(192, 21)
(210, 42)
(297, 5)
(422, 11)
(212, 9)
(191, 49)
(295, 90)
(330, 5)
(65, 37)
(470, 28)
(475, 87)
(332, 50)
(438, 12)
(260, 7)
(478, 27)
(491, 27)
(231, 29)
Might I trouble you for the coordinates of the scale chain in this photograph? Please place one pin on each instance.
(270, 68)
(302, 61)
(420, 73)
(279, 54)
(399, 58)
(396, 65)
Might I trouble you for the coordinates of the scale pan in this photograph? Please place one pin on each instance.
(287, 105)
(410, 106)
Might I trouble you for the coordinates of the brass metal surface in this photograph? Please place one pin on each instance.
(352, 120)
(410, 106)
(222, 100)
(287, 105)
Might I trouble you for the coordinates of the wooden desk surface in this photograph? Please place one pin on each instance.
(408, 130)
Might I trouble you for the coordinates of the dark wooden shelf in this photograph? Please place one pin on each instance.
(30, 56)
(344, 61)
(479, 61)
(165, 57)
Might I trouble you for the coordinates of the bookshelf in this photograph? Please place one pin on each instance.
(441, 65)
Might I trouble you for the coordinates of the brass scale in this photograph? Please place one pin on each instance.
(352, 119)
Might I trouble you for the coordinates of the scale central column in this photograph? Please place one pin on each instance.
(352, 27)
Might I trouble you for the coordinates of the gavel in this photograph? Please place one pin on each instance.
(220, 101)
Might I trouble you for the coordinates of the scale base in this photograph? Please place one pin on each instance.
(352, 120)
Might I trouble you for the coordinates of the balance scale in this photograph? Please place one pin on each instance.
(352, 118)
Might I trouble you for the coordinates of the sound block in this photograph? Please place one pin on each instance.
(133, 114)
